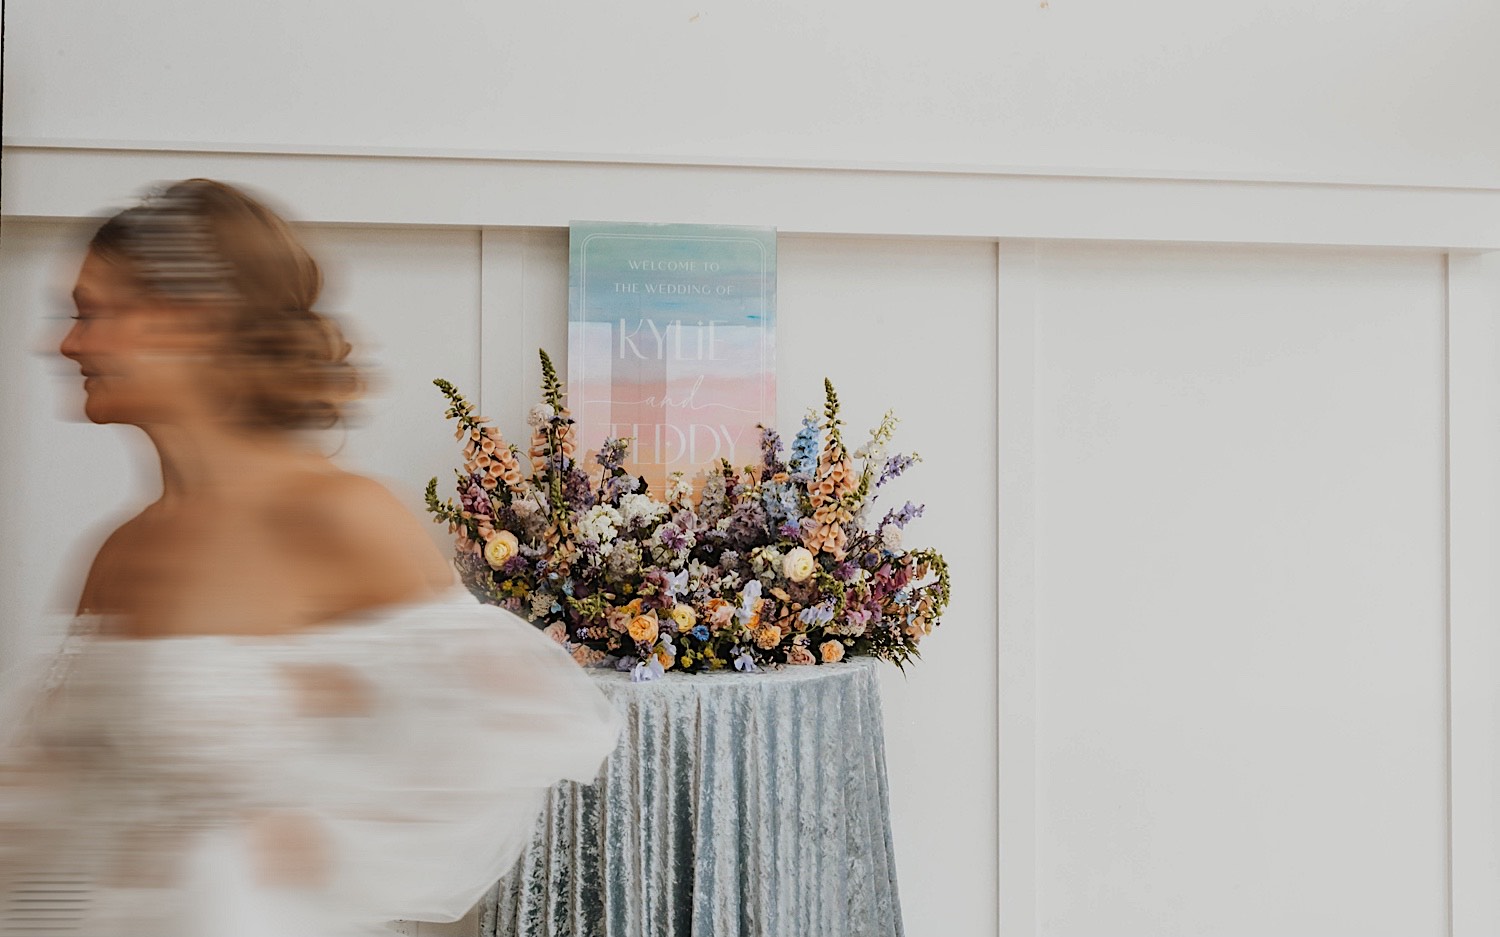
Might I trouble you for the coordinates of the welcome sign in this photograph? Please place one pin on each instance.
(672, 343)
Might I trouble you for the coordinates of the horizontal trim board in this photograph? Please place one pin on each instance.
(51, 182)
(668, 159)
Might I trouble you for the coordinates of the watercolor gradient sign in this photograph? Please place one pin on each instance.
(672, 342)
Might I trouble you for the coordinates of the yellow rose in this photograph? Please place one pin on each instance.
(798, 564)
(767, 637)
(685, 617)
(832, 651)
(644, 628)
(666, 660)
(502, 546)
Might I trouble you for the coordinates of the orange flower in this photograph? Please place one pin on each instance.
(832, 651)
(619, 619)
(799, 654)
(754, 622)
(587, 656)
(644, 628)
(718, 613)
(767, 637)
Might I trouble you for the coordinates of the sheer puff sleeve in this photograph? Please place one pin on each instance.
(422, 742)
(389, 765)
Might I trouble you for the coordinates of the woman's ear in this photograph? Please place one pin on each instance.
(184, 330)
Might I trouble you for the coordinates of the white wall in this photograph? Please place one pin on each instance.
(1241, 592)
(1222, 658)
(1355, 90)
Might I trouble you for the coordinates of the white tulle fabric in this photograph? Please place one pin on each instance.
(142, 762)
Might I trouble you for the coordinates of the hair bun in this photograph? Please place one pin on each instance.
(202, 242)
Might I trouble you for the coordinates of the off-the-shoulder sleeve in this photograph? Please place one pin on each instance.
(414, 744)
(429, 780)
(36, 792)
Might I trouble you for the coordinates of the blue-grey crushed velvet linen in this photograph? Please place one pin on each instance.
(735, 804)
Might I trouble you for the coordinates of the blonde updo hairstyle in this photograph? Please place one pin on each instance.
(212, 247)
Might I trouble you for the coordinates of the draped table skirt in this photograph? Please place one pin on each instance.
(735, 804)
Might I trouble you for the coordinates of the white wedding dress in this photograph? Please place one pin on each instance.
(145, 765)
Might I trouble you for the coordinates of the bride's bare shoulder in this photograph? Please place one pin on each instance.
(99, 586)
(360, 538)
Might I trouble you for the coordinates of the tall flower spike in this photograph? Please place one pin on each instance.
(831, 421)
(551, 444)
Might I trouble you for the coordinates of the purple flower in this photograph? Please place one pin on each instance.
(902, 516)
(770, 448)
(611, 454)
(577, 491)
(747, 524)
(475, 498)
(672, 537)
(894, 466)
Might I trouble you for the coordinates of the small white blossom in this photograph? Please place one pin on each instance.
(601, 524)
(635, 508)
(890, 535)
(698, 572)
(540, 415)
(679, 488)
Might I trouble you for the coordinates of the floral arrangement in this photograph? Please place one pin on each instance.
(773, 564)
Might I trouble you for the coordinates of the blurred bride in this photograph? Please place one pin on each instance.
(276, 713)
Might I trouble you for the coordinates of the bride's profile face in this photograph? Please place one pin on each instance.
(133, 351)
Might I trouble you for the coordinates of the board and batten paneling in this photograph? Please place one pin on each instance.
(1240, 607)
(910, 325)
(1223, 638)
(410, 303)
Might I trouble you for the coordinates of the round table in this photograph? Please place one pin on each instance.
(735, 804)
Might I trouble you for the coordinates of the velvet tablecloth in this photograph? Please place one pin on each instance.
(735, 804)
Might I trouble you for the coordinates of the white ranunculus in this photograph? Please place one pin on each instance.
(798, 564)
